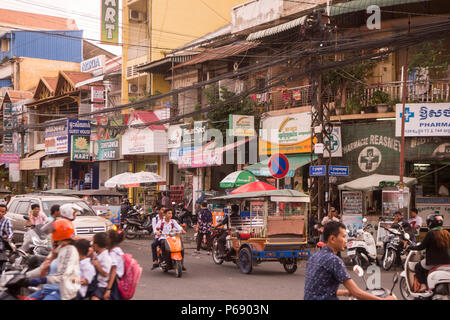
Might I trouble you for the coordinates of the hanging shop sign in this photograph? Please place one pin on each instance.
(56, 139)
(144, 141)
(286, 134)
(370, 148)
(335, 143)
(79, 127)
(95, 65)
(242, 125)
(110, 21)
(53, 163)
(107, 150)
(193, 136)
(8, 146)
(423, 120)
(9, 158)
(80, 148)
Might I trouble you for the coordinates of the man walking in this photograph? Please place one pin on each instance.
(325, 271)
(204, 226)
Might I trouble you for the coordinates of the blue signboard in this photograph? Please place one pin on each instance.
(341, 171)
(317, 171)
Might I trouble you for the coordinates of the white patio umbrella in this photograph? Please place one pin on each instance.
(130, 180)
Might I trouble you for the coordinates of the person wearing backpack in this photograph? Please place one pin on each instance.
(117, 268)
(87, 270)
(102, 262)
(163, 229)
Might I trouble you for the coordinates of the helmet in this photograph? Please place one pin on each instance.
(435, 220)
(68, 210)
(63, 229)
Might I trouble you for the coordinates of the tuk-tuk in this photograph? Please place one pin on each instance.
(105, 203)
(274, 228)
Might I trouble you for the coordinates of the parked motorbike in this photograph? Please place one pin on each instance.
(229, 253)
(438, 280)
(137, 223)
(35, 241)
(361, 248)
(379, 292)
(175, 246)
(183, 215)
(393, 247)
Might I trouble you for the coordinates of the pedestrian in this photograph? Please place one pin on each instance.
(6, 231)
(204, 227)
(102, 262)
(115, 238)
(87, 270)
(124, 208)
(156, 242)
(415, 221)
(165, 201)
(325, 271)
(332, 216)
(36, 216)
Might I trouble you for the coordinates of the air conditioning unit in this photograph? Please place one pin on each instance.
(133, 88)
(136, 16)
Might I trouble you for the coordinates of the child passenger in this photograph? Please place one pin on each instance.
(102, 262)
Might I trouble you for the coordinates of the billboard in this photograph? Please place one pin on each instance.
(110, 21)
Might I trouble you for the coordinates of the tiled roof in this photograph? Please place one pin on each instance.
(16, 95)
(35, 21)
(149, 116)
(51, 83)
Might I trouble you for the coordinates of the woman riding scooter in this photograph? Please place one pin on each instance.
(437, 244)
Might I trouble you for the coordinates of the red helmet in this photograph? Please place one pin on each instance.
(63, 230)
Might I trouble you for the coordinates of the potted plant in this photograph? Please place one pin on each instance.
(381, 100)
(353, 105)
(393, 103)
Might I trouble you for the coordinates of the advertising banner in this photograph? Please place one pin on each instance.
(352, 203)
(286, 134)
(8, 146)
(112, 213)
(80, 148)
(9, 158)
(110, 21)
(423, 119)
(335, 143)
(174, 134)
(56, 139)
(107, 150)
(242, 125)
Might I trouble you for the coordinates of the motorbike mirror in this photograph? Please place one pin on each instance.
(358, 270)
(364, 220)
(407, 237)
(26, 218)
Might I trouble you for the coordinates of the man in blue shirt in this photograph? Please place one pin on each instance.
(325, 271)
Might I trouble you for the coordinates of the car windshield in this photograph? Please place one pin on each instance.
(87, 211)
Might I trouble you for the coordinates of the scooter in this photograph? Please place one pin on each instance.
(438, 280)
(35, 241)
(174, 246)
(379, 292)
(393, 247)
(362, 248)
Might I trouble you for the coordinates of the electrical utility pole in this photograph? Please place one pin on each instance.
(320, 124)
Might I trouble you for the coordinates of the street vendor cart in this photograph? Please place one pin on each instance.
(271, 226)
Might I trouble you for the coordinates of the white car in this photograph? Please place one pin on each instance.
(86, 224)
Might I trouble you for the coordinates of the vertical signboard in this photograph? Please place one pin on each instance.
(110, 21)
(8, 146)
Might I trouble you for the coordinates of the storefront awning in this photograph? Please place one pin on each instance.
(277, 29)
(33, 161)
(372, 182)
(295, 161)
(360, 5)
(54, 162)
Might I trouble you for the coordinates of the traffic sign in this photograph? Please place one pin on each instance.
(317, 171)
(278, 165)
(341, 171)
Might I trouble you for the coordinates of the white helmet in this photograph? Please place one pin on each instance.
(68, 210)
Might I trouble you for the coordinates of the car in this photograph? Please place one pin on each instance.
(86, 224)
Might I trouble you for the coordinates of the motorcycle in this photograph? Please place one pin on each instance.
(36, 242)
(175, 246)
(438, 280)
(183, 215)
(137, 223)
(229, 253)
(362, 247)
(379, 292)
(393, 247)
(10, 256)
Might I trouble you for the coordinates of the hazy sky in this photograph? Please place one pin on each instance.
(85, 12)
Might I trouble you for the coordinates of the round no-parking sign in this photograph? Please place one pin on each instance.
(278, 165)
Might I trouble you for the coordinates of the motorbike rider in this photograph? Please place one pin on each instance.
(36, 216)
(156, 242)
(163, 229)
(68, 270)
(399, 221)
(437, 244)
(221, 240)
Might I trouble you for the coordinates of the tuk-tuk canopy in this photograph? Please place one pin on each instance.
(285, 195)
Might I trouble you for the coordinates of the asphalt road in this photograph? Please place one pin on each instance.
(204, 280)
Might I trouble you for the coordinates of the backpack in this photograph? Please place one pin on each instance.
(128, 283)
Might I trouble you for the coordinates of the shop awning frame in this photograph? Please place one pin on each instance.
(277, 29)
(32, 161)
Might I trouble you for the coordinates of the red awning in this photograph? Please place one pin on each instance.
(148, 117)
(254, 187)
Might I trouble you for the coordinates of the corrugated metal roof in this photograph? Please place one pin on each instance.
(36, 21)
(277, 29)
(220, 53)
(359, 5)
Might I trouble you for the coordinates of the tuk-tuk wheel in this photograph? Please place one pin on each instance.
(290, 266)
(245, 262)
